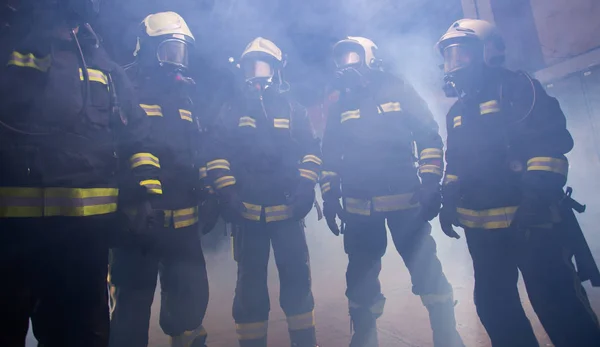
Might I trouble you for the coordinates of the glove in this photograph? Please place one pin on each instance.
(232, 206)
(146, 218)
(303, 199)
(332, 208)
(535, 209)
(429, 196)
(208, 214)
(448, 219)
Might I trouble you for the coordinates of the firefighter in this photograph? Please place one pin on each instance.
(368, 163)
(506, 168)
(68, 117)
(161, 76)
(264, 164)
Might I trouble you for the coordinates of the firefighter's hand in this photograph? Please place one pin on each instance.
(332, 208)
(231, 203)
(146, 218)
(534, 210)
(448, 219)
(209, 214)
(303, 199)
(429, 196)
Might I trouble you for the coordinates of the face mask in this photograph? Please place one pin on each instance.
(463, 65)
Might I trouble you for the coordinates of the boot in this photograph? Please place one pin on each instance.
(194, 338)
(443, 324)
(364, 326)
(303, 338)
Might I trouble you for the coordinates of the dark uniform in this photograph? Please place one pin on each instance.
(368, 145)
(175, 251)
(265, 153)
(58, 188)
(506, 143)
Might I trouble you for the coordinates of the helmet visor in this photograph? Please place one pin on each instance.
(347, 55)
(256, 68)
(173, 52)
(458, 56)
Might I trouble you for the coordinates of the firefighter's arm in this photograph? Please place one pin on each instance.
(310, 150)
(545, 135)
(135, 140)
(332, 155)
(426, 135)
(218, 151)
(451, 155)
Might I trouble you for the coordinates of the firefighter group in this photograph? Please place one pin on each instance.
(95, 157)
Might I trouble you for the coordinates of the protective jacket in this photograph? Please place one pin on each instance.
(369, 144)
(508, 139)
(264, 148)
(56, 158)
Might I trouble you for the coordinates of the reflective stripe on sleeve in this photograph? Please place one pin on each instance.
(203, 172)
(224, 181)
(488, 107)
(496, 218)
(277, 213)
(30, 60)
(310, 158)
(301, 321)
(251, 331)
(218, 164)
(140, 159)
(325, 187)
(185, 217)
(391, 203)
(152, 186)
(559, 166)
(95, 76)
(457, 121)
(252, 212)
(390, 107)
(450, 179)
(247, 122)
(309, 174)
(358, 206)
(431, 153)
(152, 110)
(353, 114)
(430, 168)
(185, 115)
(281, 123)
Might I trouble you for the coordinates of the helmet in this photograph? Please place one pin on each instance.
(469, 40)
(356, 51)
(165, 38)
(261, 59)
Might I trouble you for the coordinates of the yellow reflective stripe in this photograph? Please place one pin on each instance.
(277, 213)
(309, 174)
(353, 114)
(203, 171)
(281, 123)
(325, 187)
(30, 60)
(358, 206)
(450, 179)
(457, 121)
(95, 76)
(430, 168)
(252, 212)
(140, 159)
(431, 153)
(328, 174)
(152, 110)
(301, 321)
(152, 186)
(496, 218)
(389, 203)
(247, 122)
(390, 107)
(185, 217)
(310, 158)
(491, 106)
(21, 202)
(218, 164)
(224, 181)
(559, 166)
(433, 299)
(185, 115)
(251, 331)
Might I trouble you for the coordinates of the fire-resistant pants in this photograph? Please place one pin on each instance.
(552, 285)
(365, 242)
(60, 264)
(251, 246)
(176, 255)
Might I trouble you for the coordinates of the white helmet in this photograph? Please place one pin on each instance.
(464, 33)
(262, 60)
(345, 53)
(169, 36)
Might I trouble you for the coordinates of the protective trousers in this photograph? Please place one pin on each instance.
(365, 242)
(55, 266)
(176, 255)
(251, 246)
(552, 285)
